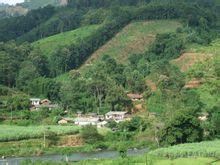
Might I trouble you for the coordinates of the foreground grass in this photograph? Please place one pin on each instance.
(13, 133)
(202, 149)
(203, 153)
(140, 160)
(50, 44)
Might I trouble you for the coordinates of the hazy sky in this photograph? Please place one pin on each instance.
(11, 2)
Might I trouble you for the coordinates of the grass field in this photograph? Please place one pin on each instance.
(203, 149)
(13, 133)
(50, 44)
(140, 160)
(134, 38)
(213, 48)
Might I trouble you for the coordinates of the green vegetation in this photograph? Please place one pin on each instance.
(9, 133)
(135, 38)
(191, 153)
(49, 45)
(34, 4)
(139, 60)
(202, 149)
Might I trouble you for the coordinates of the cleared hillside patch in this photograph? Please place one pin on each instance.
(133, 39)
(50, 44)
(187, 60)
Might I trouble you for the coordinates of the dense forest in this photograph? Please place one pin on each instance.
(103, 87)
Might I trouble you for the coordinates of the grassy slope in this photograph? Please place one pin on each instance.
(134, 38)
(205, 65)
(50, 44)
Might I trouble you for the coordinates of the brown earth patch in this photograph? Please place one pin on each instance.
(71, 141)
(194, 83)
(152, 85)
(187, 60)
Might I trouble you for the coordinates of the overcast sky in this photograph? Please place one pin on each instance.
(11, 2)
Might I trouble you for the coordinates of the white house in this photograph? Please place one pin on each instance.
(35, 101)
(82, 121)
(115, 115)
(37, 104)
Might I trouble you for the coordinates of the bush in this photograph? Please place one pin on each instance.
(90, 134)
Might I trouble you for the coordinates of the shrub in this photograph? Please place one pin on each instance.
(90, 134)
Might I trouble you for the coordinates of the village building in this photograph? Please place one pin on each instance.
(135, 97)
(35, 101)
(37, 104)
(83, 121)
(62, 121)
(65, 120)
(115, 115)
(45, 102)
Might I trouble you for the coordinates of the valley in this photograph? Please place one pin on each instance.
(110, 82)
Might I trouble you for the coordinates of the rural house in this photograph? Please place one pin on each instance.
(115, 115)
(135, 97)
(35, 101)
(82, 121)
(37, 104)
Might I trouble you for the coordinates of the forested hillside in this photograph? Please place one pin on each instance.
(90, 55)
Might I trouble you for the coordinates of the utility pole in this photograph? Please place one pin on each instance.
(11, 113)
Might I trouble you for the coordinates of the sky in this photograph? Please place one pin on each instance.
(11, 2)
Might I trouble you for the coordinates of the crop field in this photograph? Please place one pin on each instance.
(134, 38)
(50, 44)
(202, 149)
(13, 133)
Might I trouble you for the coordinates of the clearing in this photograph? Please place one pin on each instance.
(133, 39)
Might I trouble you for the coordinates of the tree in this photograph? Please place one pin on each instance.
(18, 102)
(135, 81)
(27, 73)
(184, 127)
(39, 61)
(213, 122)
(117, 99)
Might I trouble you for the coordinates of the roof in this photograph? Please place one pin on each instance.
(35, 99)
(134, 96)
(84, 119)
(47, 106)
(116, 113)
(45, 100)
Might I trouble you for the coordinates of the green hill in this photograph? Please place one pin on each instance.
(134, 38)
(50, 44)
